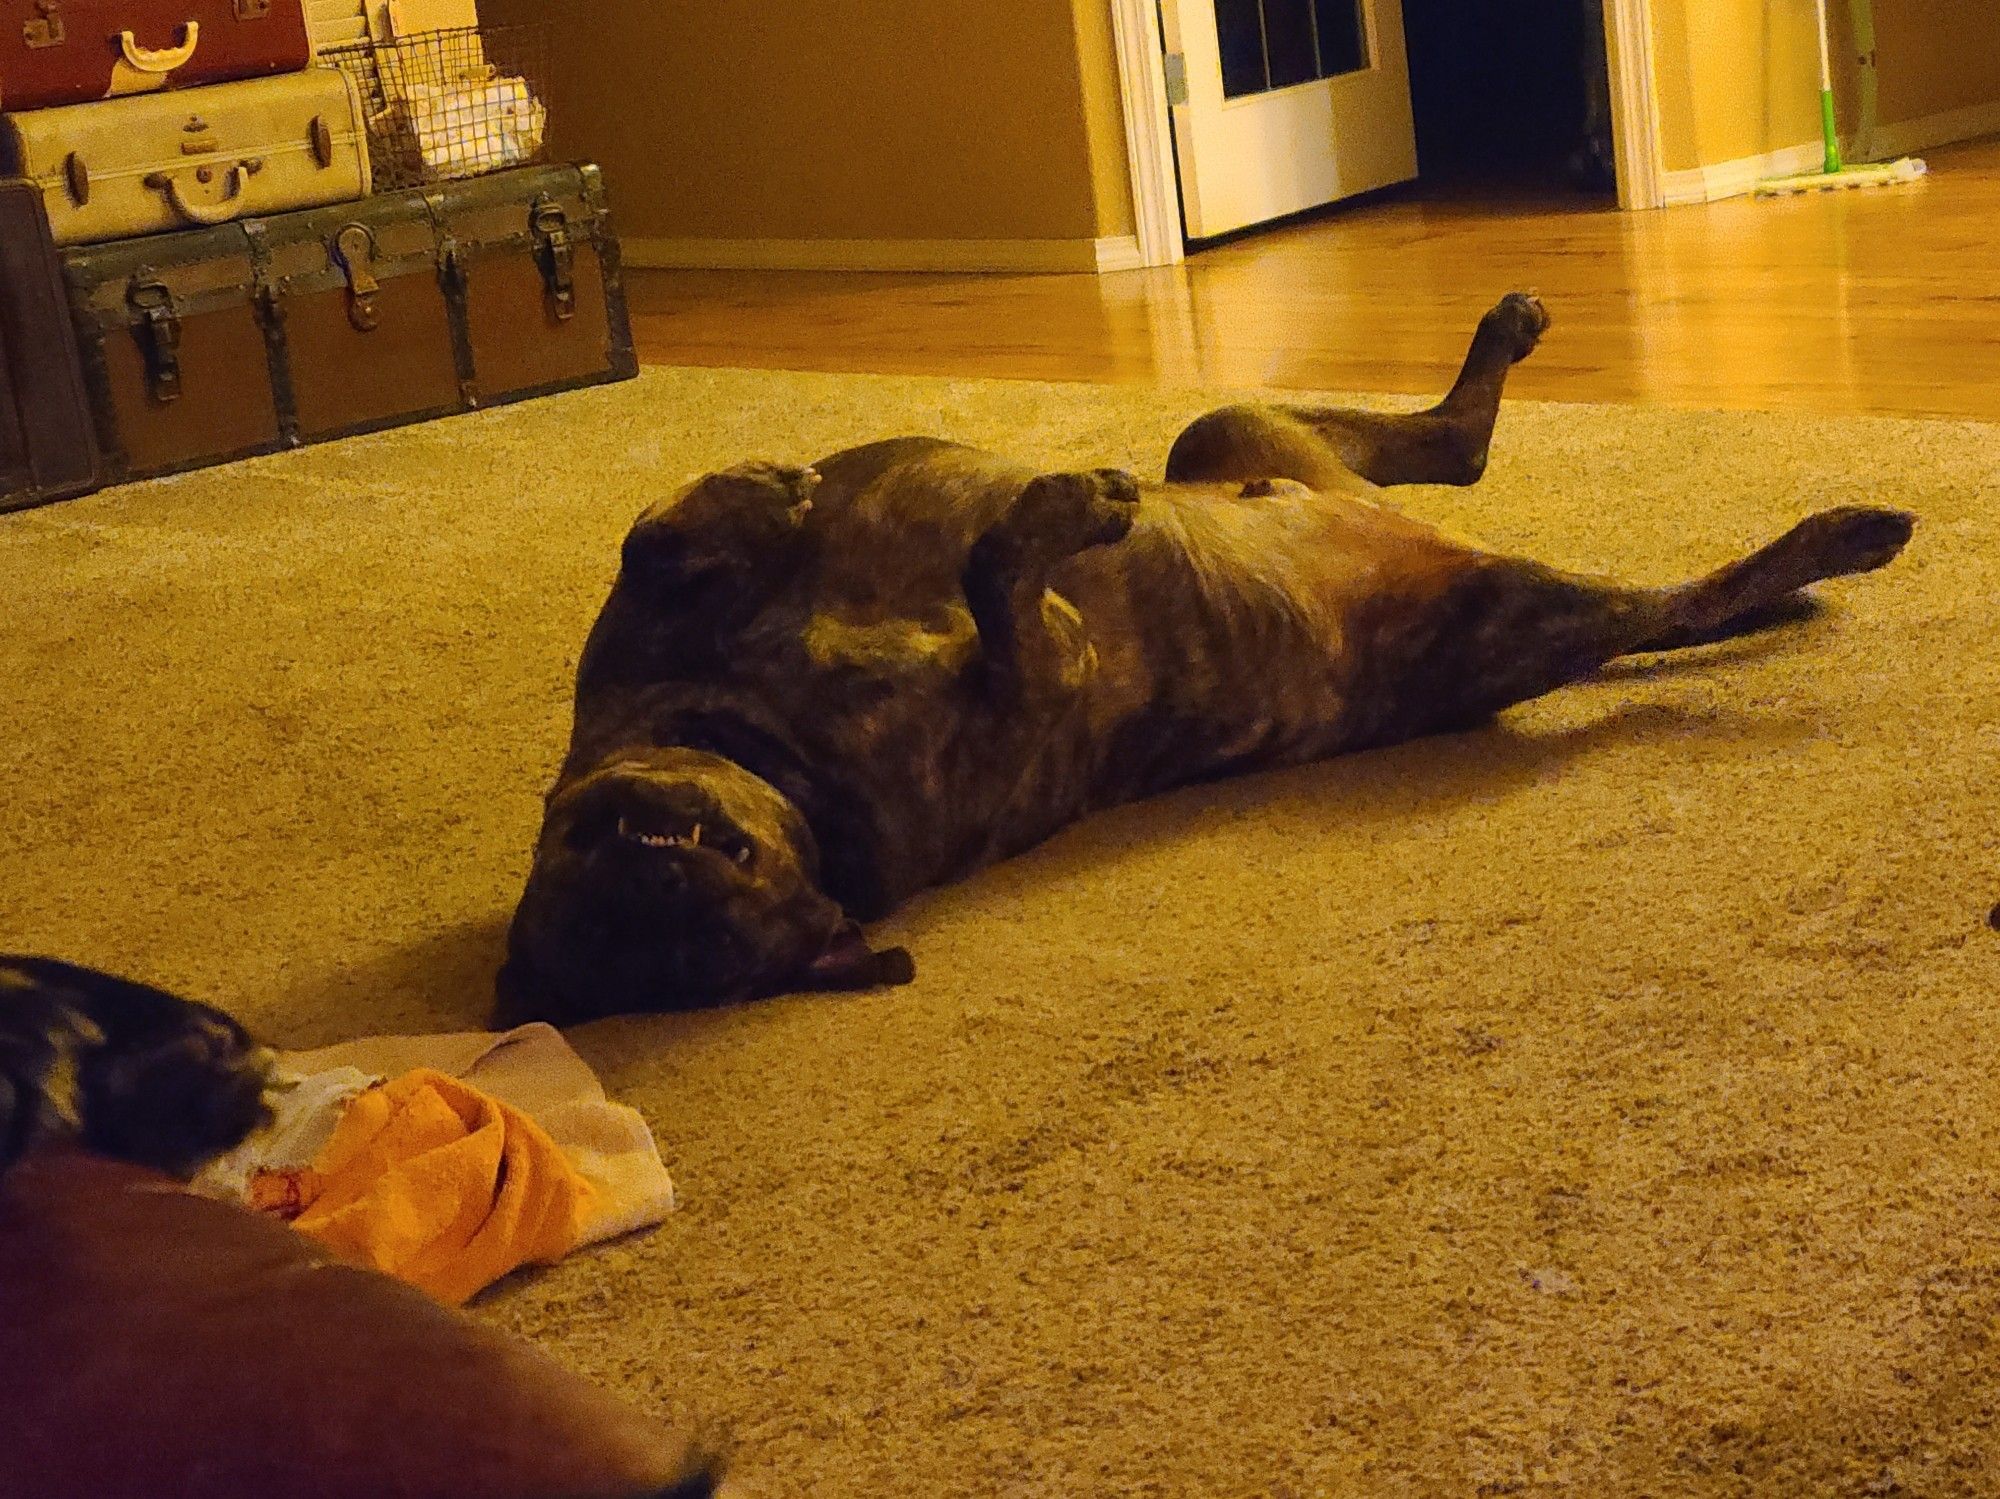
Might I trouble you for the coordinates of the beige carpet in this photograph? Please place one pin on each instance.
(1602, 1104)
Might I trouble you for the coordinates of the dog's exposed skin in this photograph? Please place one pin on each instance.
(813, 693)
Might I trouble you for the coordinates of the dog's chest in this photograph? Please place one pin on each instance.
(905, 652)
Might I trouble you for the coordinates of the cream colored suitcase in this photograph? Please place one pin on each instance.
(118, 168)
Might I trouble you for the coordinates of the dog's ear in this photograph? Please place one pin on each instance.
(849, 963)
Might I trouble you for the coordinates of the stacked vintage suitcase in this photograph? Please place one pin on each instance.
(233, 226)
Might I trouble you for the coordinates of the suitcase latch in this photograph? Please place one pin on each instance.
(45, 28)
(556, 252)
(197, 139)
(159, 330)
(354, 248)
(252, 10)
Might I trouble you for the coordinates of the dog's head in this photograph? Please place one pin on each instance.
(671, 879)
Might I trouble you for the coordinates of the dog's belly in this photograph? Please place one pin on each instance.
(1223, 635)
(1236, 634)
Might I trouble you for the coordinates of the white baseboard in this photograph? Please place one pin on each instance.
(1731, 179)
(1119, 252)
(1905, 136)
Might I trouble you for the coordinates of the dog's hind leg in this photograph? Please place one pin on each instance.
(1030, 642)
(1320, 446)
(1500, 631)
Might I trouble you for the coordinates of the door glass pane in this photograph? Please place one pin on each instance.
(1239, 25)
(1343, 44)
(1288, 39)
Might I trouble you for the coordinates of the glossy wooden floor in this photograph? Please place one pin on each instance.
(1872, 300)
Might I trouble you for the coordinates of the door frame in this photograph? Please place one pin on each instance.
(1149, 140)
(1635, 109)
(1149, 131)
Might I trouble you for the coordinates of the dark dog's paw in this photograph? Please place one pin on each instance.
(41, 1040)
(725, 519)
(1522, 319)
(1857, 538)
(772, 490)
(123, 1069)
(849, 963)
(1060, 514)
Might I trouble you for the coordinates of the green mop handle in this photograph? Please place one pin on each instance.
(1833, 162)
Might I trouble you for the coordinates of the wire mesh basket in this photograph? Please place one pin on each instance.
(449, 104)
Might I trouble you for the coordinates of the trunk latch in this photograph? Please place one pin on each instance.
(556, 252)
(354, 248)
(159, 331)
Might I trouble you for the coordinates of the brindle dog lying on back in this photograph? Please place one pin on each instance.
(816, 691)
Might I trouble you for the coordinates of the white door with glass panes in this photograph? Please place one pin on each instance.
(1282, 105)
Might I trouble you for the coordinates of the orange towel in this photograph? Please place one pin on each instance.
(437, 1184)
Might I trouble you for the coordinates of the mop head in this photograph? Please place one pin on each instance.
(1879, 174)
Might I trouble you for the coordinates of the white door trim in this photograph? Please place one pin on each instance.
(1149, 140)
(1635, 113)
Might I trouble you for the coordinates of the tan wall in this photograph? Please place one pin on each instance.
(836, 119)
(1935, 56)
(1104, 118)
(1739, 78)
(1673, 87)
(1735, 78)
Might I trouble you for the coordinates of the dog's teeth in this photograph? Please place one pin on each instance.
(695, 836)
(743, 855)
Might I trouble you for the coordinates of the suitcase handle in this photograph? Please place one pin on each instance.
(227, 207)
(167, 59)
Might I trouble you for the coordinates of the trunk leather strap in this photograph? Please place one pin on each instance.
(556, 254)
(158, 326)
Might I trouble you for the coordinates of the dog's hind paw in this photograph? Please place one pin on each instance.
(1521, 318)
(1858, 538)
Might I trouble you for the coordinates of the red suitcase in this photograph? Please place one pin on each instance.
(72, 51)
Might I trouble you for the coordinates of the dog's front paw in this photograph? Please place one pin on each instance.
(1061, 514)
(726, 519)
(772, 492)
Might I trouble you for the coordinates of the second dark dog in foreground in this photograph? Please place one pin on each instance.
(814, 692)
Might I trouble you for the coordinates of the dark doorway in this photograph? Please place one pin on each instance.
(1511, 95)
